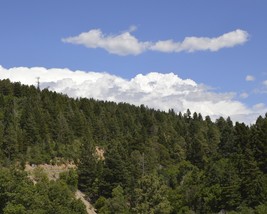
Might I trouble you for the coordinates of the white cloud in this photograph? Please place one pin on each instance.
(259, 106)
(122, 44)
(132, 28)
(156, 90)
(250, 78)
(244, 95)
(126, 44)
(265, 82)
(191, 44)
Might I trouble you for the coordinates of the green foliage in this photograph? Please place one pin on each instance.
(100, 203)
(116, 204)
(151, 196)
(19, 195)
(223, 176)
(153, 161)
(39, 175)
(261, 209)
(14, 209)
(89, 170)
(70, 178)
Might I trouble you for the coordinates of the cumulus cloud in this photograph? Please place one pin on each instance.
(127, 44)
(192, 44)
(122, 44)
(265, 82)
(156, 90)
(250, 78)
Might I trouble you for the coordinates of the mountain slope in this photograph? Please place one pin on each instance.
(153, 161)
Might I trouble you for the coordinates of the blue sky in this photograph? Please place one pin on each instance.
(46, 34)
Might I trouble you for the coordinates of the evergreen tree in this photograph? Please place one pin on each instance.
(222, 186)
(151, 196)
(115, 171)
(203, 167)
(259, 142)
(89, 170)
(252, 181)
(10, 137)
(116, 204)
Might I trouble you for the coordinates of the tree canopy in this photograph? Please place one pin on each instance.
(151, 162)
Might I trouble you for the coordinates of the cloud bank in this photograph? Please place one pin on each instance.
(126, 44)
(156, 90)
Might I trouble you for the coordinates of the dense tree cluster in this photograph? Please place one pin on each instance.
(154, 161)
(19, 195)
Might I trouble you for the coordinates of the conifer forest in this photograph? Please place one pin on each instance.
(129, 159)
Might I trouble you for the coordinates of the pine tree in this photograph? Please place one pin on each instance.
(227, 143)
(259, 142)
(252, 181)
(89, 170)
(10, 138)
(117, 203)
(151, 196)
(115, 171)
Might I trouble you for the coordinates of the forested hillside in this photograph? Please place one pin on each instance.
(153, 161)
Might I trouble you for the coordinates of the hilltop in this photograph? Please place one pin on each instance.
(147, 161)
